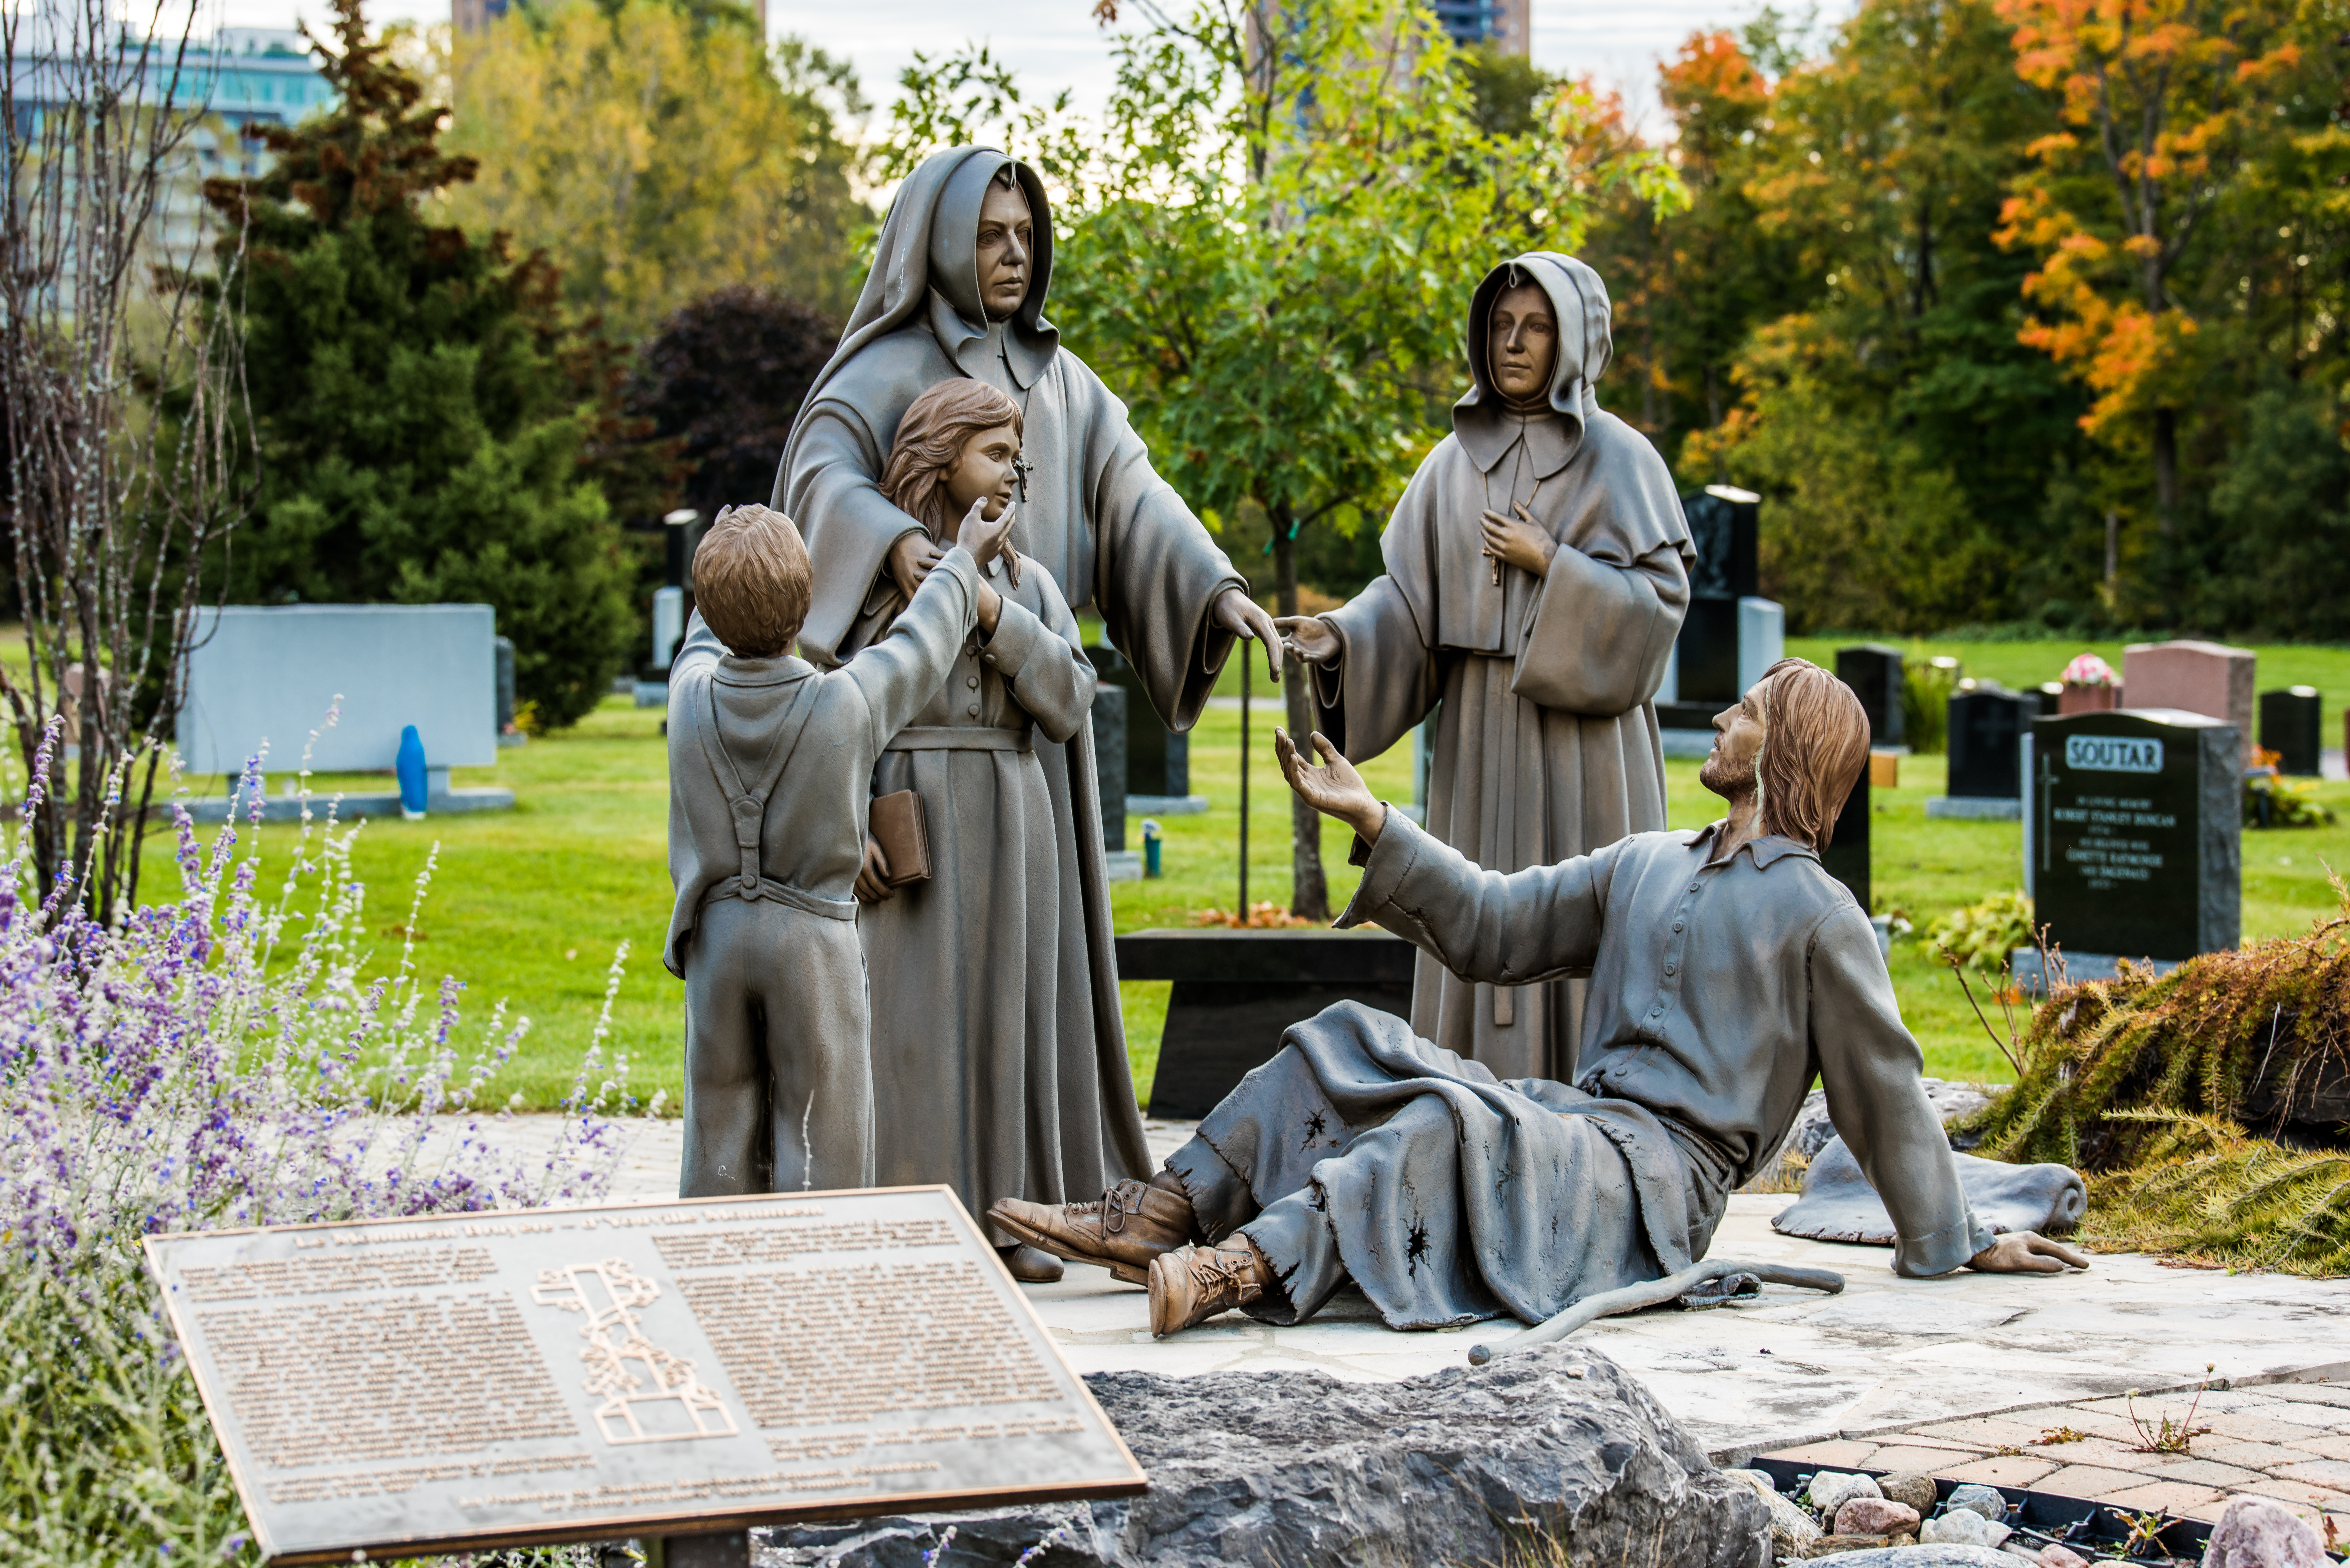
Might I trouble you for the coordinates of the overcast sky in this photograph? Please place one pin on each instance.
(1054, 43)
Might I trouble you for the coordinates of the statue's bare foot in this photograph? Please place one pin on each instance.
(1190, 1287)
(1122, 1230)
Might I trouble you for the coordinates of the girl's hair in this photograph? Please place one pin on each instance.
(1814, 744)
(930, 438)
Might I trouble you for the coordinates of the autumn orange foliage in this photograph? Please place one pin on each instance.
(2162, 97)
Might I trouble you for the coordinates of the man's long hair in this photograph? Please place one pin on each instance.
(1814, 744)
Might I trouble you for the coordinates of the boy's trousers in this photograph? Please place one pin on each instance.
(778, 1074)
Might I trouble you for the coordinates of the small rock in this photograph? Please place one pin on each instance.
(1962, 1527)
(1830, 1489)
(1792, 1530)
(1837, 1545)
(1982, 1499)
(1927, 1557)
(2254, 1532)
(1874, 1516)
(1914, 1487)
(2060, 1557)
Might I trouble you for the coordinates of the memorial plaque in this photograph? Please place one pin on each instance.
(407, 1387)
(2136, 830)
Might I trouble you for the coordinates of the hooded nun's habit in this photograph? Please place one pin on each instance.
(1007, 1078)
(1546, 745)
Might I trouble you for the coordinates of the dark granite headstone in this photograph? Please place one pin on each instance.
(505, 650)
(1110, 761)
(1236, 991)
(1873, 672)
(1987, 727)
(1158, 760)
(1724, 526)
(2293, 723)
(2135, 831)
(1847, 859)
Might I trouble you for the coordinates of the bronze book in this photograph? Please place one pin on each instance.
(899, 828)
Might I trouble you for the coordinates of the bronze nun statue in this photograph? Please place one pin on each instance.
(957, 289)
(1537, 572)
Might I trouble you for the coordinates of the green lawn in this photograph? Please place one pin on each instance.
(529, 905)
(2024, 665)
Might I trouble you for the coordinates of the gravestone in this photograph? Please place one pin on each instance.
(1873, 672)
(1109, 761)
(508, 734)
(273, 673)
(1235, 992)
(404, 1387)
(2207, 678)
(2134, 837)
(1729, 635)
(1846, 857)
(2292, 725)
(1986, 726)
(1158, 760)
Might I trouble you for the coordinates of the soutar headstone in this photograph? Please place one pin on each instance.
(2292, 725)
(1875, 674)
(408, 1387)
(2134, 837)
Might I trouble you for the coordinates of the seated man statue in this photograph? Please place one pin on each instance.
(1728, 969)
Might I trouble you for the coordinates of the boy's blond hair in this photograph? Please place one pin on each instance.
(752, 581)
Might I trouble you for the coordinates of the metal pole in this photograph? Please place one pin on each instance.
(1244, 761)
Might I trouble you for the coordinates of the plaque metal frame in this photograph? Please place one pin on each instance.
(645, 1389)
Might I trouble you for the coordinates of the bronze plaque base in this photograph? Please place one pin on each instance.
(403, 1386)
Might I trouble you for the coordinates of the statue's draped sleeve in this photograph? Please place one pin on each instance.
(1155, 572)
(1386, 677)
(828, 490)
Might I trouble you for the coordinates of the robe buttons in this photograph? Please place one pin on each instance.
(1668, 969)
(1677, 925)
(972, 710)
(971, 681)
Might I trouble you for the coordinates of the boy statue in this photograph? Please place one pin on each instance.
(1728, 971)
(771, 771)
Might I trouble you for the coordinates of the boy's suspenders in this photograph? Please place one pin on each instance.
(748, 807)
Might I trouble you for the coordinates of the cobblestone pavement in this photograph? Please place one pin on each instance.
(2290, 1441)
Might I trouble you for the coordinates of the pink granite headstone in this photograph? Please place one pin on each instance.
(2205, 678)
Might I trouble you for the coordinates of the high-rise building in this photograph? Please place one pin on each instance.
(1507, 24)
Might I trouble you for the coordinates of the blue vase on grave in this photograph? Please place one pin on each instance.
(410, 770)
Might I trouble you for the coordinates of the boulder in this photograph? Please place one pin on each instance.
(1875, 1516)
(1926, 1557)
(2059, 1556)
(1812, 1129)
(1793, 1530)
(2254, 1532)
(1842, 1545)
(1555, 1446)
(1961, 1527)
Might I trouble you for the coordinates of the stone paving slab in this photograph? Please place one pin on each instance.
(1960, 1376)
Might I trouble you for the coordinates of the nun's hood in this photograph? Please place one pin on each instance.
(926, 269)
(1578, 299)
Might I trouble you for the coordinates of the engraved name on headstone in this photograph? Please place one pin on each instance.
(462, 1381)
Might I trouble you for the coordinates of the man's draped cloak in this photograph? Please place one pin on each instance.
(1546, 744)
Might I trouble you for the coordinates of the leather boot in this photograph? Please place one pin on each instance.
(1122, 1230)
(1028, 1265)
(1190, 1287)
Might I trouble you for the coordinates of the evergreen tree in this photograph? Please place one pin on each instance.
(420, 417)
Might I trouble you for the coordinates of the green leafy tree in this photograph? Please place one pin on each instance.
(420, 421)
(1268, 250)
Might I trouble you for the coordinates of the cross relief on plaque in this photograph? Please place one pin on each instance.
(663, 1404)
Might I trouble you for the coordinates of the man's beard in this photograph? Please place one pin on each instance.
(1724, 780)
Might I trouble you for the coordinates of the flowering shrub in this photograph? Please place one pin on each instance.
(227, 1059)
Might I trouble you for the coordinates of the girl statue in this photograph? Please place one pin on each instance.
(987, 1071)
